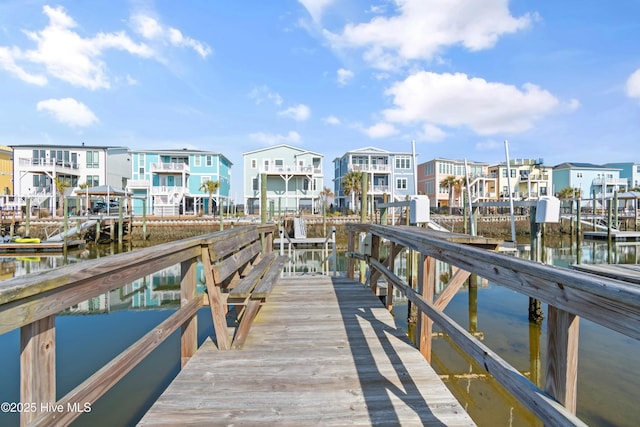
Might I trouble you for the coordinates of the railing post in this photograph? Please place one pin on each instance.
(189, 331)
(562, 357)
(375, 254)
(37, 366)
(426, 285)
(350, 249)
(334, 250)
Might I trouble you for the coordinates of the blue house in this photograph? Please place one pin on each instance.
(170, 181)
(604, 181)
(390, 173)
(630, 171)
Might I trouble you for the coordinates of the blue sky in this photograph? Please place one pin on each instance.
(559, 79)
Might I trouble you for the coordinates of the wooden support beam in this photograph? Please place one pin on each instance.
(426, 288)
(189, 330)
(375, 254)
(456, 282)
(216, 303)
(562, 357)
(37, 366)
(351, 246)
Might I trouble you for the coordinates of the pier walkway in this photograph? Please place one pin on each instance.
(322, 351)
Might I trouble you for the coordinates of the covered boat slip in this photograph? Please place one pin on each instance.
(322, 351)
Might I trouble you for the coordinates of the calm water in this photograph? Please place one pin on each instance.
(90, 334)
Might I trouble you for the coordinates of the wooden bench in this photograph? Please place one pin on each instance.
(253, 291)
(240, 270)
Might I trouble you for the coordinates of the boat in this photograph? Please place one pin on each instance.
(26, 240)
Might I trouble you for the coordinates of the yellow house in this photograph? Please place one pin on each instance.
(6, 170)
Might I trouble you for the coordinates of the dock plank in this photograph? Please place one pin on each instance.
(322, 351)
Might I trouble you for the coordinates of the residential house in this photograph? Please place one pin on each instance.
(433, 174)
(6, 170)
(36, 167)
(630, 171)
(292, 177)
(169, 181)
(590, 179)
(529, 180)
(389, 173)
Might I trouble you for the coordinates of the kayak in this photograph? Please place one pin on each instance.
(26, 240)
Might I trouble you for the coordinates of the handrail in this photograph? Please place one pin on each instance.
(611, 303)
(32, 302)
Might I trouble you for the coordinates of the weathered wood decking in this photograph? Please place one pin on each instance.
(322, 351)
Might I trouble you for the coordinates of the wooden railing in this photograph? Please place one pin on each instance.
(31, 303)
(568, 293)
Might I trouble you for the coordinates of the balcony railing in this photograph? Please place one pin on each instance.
(610, 181)
(170, 167)
(370, 168)
(167, 190)
(278, 169)
(138, 183)
(49, 164)
(535, 177)
(381, 189)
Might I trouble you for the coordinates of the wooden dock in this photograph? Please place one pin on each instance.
(622, 236)
(30, 248)
(626, 272)
(322, 351)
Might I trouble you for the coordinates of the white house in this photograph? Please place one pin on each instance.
(35, 167)
(293, 178)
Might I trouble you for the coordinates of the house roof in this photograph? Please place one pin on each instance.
(576, 165)
(302, 150)
(51, 146)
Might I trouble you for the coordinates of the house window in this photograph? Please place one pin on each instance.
(92, 159)
(141, 161)
(254, 163)
(209, 161)
(403, 162)
(401, 183)
(579, 175)
(255, 184)
(279, 163)
(197, 160)
(93, 180)
(204, 179)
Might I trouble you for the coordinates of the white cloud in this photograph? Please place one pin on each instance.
(633, 85)
(489, 145)
(68, 111)
(299, 112)
(274, 139)
(69, 57)
(149, 28)
(344, 76)
(260, 93)
(332, 120)
(422, 28)
(431, 133)
(7, 63)
(456, 100)
(380, 130)
(316, 7)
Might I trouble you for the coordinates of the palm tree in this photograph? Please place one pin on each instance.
(325, 195)
(352, 183)
(459, 185)
(61, 185)
(569, 192)
(449, 183)
(210, 187)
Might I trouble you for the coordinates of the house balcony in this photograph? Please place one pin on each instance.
(621, 182)
(175, 167)
(290, 170)
(52, 166)
(535, 178)
(380, 189)
(139, 183)
(370, 168)
(168, 190)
